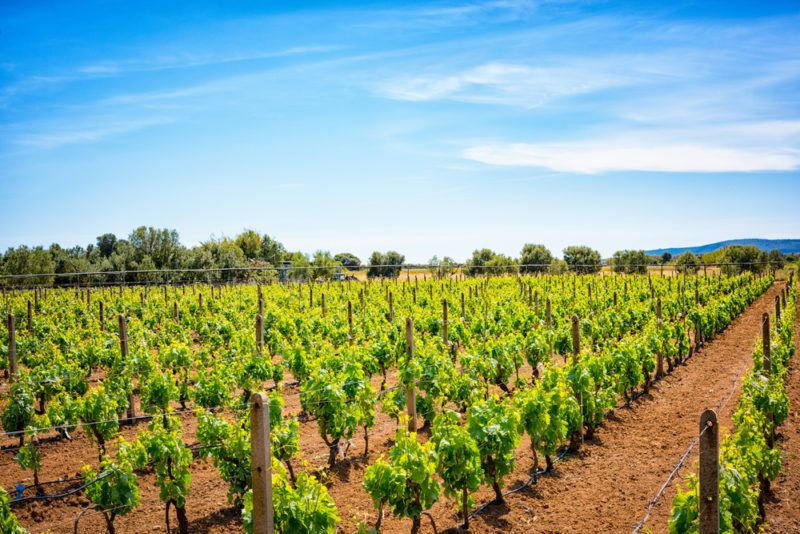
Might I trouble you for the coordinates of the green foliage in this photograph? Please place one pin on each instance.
(582, 260)
(114, 491)
(8, 522)
(534, 259)
(163, 446)
(458, 459)
(307, 507)
(406, 482)
(386, 265)
(494, 426)
(630, 261)
(228, 445)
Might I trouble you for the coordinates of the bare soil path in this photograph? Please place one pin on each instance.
(783, 506)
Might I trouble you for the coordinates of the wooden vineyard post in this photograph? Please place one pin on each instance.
(199, 300)
(310, 295)
(175, 312)
(322, 304)
(30, 317)
(36, 300)
(660, 355)
(549, 323)
(350, 321)
(536, 303)
(12, 347)
(777, 310)
(577, 438)
(261, 464)
(414, 293)
(463, 312)
(123, 348)
(766, 344)
(576, 339)
(411, 394)
(102, 317)
(391, 307)
(361, 296)
(260, 334)
(709, 473)
(445, 333)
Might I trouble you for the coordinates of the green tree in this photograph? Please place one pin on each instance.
(162, 245)
(581, 259)
(630, 261)
(106, 244)
(475, 265)
(535, 259)
(25, 260)
(558, 266)
(776, 259)
(443, 268)
(687, 263)
(348, 261)
(739, 258)
(323, 265)
(250, 244)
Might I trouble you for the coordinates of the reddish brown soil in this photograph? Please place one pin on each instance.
(605, 488)
(782, 509)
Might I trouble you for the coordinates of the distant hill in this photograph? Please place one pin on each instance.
(787, 246)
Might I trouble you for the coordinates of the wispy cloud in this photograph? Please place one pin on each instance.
(187, 61)
(745, 147)
(51, 137)
(505, 83)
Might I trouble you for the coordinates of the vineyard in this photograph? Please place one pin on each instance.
(394, 405)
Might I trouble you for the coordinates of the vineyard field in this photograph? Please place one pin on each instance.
(514, 379)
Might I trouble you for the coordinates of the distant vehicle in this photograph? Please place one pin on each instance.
(341, 277)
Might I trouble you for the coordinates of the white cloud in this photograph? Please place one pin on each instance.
(506, 83)
(594, 157)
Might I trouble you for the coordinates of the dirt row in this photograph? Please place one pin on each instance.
(606, 485)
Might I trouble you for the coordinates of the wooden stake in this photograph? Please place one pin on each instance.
(350, 321)
(660, 366)
(576, 339)
(102, 317)
(123, 347)
(12, 346)
(445, 336)
(411, 395)
(261, 464)
(30, 317)
(260, 334)
(391, 307)
(765, 344)
(709, 473)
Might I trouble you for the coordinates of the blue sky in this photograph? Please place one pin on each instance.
(429, 128)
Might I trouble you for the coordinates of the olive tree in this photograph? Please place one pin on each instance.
(534, 259)
(583, 260)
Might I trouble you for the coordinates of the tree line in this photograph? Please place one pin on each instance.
(251, 256)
